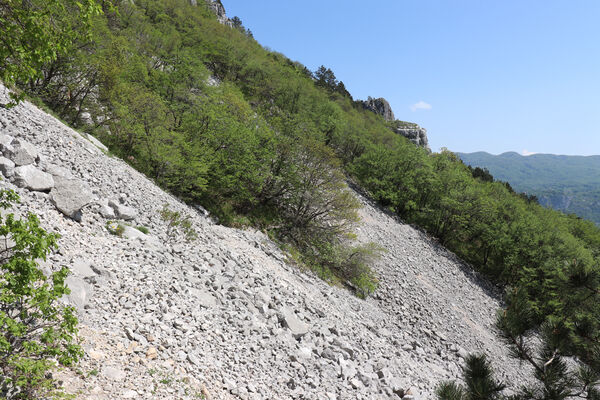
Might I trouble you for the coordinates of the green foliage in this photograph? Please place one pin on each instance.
(35, 330)
(177, 225)
(115, 228)
(566, 183)
(272, 145)
(479, 382)
(450, 391)
(325, 78)
(143, 229)
(37, 32)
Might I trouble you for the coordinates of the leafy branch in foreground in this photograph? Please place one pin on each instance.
(36, 332)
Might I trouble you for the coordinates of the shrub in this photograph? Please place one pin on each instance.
(350, 264)
(143, 229)
(176, 224)
(35, 331)
(479, 382)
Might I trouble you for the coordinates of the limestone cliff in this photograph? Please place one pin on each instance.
(219, 10)
(412, 132)
(379, 106)
(409, 130)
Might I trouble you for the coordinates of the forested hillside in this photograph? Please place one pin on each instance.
(218, 120)
(567, 183)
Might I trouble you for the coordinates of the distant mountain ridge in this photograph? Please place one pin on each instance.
(566, 183)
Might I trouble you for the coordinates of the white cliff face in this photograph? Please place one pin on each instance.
(411, 131)
(415, 134)
(381, 107)
(218, 9)
(225, 315)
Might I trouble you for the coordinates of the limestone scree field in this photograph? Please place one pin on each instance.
(214, 312)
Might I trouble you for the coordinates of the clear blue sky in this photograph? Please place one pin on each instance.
(498, 75)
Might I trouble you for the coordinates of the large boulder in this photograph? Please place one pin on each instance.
(21, 152)
(122, 211)
(289, 320)
(7, 167)
(80, 292)
(69, 196)
(30, 177)
(5, 141)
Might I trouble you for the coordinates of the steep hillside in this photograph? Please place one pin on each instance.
(566, 183)
(190, 100)
(226, 315)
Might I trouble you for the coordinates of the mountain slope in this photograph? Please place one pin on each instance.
(566, 183)
(225, 315)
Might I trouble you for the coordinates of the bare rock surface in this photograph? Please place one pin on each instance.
(70, 196)
(30, 177)
(226, 317)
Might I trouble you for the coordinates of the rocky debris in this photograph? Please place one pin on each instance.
(7, 167)
(21, 152)
(105, 210)
(28, 176)
(95, 141)
(289, 320)
(70, 196)
(176, 317)
(122, 211)
(80, 292)
(5, 141)
(379, 106)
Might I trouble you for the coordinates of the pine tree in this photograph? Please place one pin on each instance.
(479, 382)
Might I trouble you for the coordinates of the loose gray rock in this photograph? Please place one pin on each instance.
(30, 177)
(82, 268)
(113, 373)
(204, 298)
(22, 152)
(5, 141)
(216, 301)
(58, 171)
(105, 210)
(96, 142)
(7, 167)
(69, 196)
(292, 322)
(122, 211)
(80, 292)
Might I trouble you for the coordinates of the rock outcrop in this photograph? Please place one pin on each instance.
(381, 107)
(225, 316)
(218, 9)
(411, 131)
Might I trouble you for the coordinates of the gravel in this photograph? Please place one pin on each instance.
(226, 316)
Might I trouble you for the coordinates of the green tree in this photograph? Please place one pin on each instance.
(479, 382)
(35, 329)
(36, 32)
